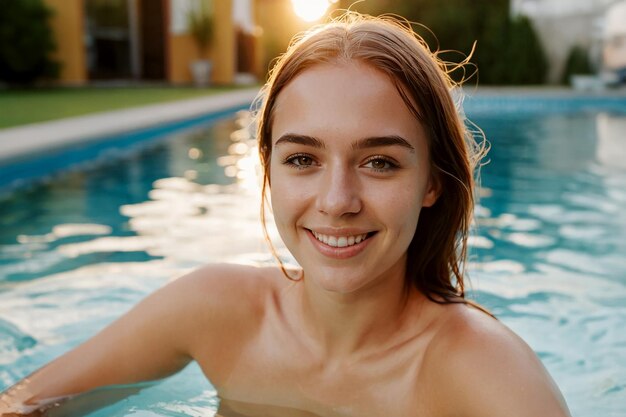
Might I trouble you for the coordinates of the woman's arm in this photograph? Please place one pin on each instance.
(153, 340)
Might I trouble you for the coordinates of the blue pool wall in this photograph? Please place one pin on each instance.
(26, 169)
(534, 104)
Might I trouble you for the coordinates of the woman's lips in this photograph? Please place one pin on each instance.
(339, 246)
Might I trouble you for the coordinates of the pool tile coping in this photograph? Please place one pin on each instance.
(22, 140)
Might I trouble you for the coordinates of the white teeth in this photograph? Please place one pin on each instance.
(339, 241)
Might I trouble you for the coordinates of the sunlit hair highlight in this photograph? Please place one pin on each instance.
(437, 254)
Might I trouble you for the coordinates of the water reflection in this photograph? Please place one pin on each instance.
(556, 271)
(611, 149)
(147, 205)
(144, 399)
(175, 208)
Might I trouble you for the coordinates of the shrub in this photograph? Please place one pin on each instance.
(26, 42)
(577, 63)
(523, 54)
(508, 50)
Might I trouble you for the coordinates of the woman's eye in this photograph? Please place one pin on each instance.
(300, 161)
(303, 160)
(380, 164)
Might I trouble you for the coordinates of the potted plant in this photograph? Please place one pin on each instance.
(200, 26)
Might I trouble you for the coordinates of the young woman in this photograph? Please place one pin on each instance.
(369, 169)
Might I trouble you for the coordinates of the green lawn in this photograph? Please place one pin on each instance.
(19, 107)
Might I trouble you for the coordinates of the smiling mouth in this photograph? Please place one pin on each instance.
(341, 241)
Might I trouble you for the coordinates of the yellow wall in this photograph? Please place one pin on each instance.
(67, 25)
(181, 51)
(223, 50)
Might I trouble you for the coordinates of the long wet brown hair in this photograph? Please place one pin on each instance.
(438, 251)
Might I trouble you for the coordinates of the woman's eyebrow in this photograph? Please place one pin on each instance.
(371, 142)
(376, 141)
(300, 140)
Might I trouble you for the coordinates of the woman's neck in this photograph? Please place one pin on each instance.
(342, 325)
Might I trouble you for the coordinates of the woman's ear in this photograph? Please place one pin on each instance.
(433, 190)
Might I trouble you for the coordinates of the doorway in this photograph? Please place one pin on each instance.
(125, 39)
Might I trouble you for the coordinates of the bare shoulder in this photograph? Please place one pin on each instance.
(226, 289)
(225, 308)
(484, 369)
(228, 279)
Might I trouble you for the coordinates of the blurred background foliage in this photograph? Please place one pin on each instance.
(508, 50)
(577, 63)
(26, 42)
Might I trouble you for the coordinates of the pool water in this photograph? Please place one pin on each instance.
(548, 257)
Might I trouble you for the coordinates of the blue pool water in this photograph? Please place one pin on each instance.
(548, 258)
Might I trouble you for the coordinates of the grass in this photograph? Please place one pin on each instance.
(20, 107)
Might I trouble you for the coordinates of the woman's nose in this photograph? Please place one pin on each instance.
(338, 193)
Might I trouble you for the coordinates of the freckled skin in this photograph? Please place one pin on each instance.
(348, 339)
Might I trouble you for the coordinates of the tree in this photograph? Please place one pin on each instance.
(527, 63)
(26, 42)
(507, 51)
(577, 63)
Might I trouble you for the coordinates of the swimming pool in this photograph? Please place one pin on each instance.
(549, 255)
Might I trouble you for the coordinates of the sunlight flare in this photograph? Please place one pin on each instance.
(310, 10)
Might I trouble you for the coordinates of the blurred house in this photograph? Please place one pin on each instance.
(562, 24)
(148, 40)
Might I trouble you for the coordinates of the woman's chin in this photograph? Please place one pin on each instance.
(336, 281)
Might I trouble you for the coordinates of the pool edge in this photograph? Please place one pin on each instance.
(21, 141)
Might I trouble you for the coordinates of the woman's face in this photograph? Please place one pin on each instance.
(349, 174)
